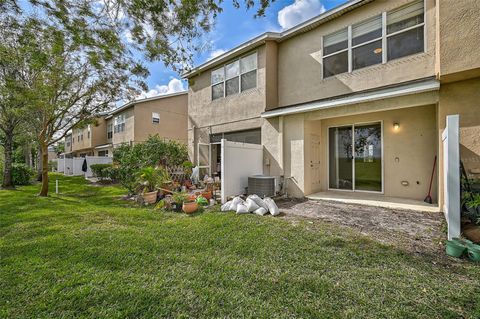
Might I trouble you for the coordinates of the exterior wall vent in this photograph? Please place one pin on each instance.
(261, 185)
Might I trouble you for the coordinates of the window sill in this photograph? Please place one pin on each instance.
(370, 68)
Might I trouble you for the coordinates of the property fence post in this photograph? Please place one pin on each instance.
(451, 178)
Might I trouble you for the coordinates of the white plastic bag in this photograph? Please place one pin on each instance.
(272, 207)
(258, 201)
(226, 207)
(235, 202)
(242, 209)
(195, 176)
(251, 205)
(261, 211)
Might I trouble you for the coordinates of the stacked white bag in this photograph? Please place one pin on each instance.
(253, 204)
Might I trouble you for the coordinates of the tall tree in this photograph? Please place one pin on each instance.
(12, 104)
(84, 55)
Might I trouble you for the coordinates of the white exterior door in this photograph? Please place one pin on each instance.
(315, 159)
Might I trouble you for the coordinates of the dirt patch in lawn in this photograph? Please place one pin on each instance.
(417, 232)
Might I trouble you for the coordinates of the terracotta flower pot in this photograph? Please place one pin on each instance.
(207, 195)
(150, 198)
(189, 207)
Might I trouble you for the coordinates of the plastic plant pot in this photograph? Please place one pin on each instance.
(474, 252)
(455, 248)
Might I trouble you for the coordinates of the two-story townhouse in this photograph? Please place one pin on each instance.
(134, 122)
(84, 139)
(352, 100)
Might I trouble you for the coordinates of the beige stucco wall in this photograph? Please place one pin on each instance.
(459, 39)
(408, 153)
(173, 118)
(299, 60)
(233, 113)
(98, 132)
(462, 98)
(288, 145)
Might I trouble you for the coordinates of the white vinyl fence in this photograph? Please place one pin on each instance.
(239, 161)
(73, 166)
(451, 175)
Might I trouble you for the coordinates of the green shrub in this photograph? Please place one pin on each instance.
(112, 172)
(22, 174)
(52, 166)
(100, 170)
(153, 152)
(150, 179)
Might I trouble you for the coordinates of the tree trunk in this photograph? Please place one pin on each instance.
(7, 170)
(44, 163)
(39, 163)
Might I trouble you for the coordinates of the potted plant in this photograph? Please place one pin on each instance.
(178, 199)
(149, 179)
(189, 207)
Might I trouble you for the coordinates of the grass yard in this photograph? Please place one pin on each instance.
(86, 253)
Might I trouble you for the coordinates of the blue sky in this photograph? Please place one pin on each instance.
(235, 26)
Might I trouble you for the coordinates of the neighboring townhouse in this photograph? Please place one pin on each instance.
(85, 139)
(134, 122)
(354, 99)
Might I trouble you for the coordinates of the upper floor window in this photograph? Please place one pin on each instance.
(235, 77)
(119, 122)
(109, 131)
(88, 131)
(389, 36)
(155, 118)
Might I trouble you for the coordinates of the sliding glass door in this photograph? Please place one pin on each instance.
(355, 157)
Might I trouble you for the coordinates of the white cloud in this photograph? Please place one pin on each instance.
(216, 53)
(298, 12)
(174, 86)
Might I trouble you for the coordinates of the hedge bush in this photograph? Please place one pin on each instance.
(100, 170)
(22, 174)
(153, 152)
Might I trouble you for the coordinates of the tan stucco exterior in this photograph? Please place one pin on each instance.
(86, 145)
(300, 63)
(290, 74)
(173, 119)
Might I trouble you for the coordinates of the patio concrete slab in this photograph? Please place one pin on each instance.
(375, 200)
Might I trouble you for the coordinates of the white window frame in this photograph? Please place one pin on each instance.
(155, 117)
(384, 38)
(225, 79)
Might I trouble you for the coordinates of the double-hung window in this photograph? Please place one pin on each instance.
(232, 84)
(109, 131)
(218, 77)
(88, 131)
(405, 30)
(155, 118)
(335, 53)
(248, 71)
(367, 43)
(392, 35)
(235, 77)
(119, 123)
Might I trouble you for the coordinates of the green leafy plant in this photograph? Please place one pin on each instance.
(472, 203)
(52, 166)
(154, 151)
(150, 179)
(22, 174)
(179, 197)
(100, 170)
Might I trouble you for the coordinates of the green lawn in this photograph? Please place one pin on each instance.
(88, 254)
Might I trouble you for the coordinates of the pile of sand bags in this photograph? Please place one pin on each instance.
(253, 204)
